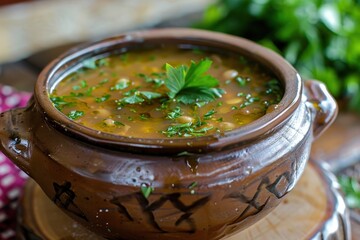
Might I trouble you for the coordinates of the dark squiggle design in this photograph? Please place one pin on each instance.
(149, 208)
(251, 201)
(289, 176)
(64, 197)
(272, 187)
(150, 215)
(122, 209)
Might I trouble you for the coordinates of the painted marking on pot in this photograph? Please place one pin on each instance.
(279, 187)
(64, 198)
(149, 208)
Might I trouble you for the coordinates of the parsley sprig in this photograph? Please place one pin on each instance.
(187, 85)
(191, 85)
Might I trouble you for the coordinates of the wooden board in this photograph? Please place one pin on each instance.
(313, 210)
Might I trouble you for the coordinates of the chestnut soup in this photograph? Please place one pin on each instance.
(167, 93)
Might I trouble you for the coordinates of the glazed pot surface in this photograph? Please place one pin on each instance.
(225, 184)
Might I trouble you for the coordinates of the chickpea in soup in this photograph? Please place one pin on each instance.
(167, 92)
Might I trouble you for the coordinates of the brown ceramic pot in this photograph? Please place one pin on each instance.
(226, 184)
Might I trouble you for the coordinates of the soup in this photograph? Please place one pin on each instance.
(167, 93)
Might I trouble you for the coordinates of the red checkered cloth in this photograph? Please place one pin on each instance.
(12, 179)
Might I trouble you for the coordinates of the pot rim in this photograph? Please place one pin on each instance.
(271, 60)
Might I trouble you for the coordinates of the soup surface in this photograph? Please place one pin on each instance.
(167, 92)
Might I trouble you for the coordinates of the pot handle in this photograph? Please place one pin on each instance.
(16, 137)
(322, 103)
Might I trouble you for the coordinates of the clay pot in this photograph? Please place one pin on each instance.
(225, 184)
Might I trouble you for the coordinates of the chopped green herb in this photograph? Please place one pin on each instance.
(157, 79)
(75, 114)
(243, 60)
(117, 123)
(241, 81)
(74, 76)
(200, 104)
(59, 102)
(150, 95)
(184, 153)
(193, 185)
(158, 74)
(134, 99)
(190, 85)
(103, 98)
(124, 57)
(83, 84)
(144, 116)
(102, 82)
(93, 63)
(88, 92)
(138, 97)
(146, 190)
(175, 113)
(197, 51)
(90, 63)
(103, 62)
(209, 114)
(121, 85)
(130, 92)
(79, 94)
(245, 104)
(249, 100)
(164, 105)
(187, 130)
(76, 87)
(273, 87)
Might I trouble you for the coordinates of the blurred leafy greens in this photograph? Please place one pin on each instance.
(351, 189)
(321, 38)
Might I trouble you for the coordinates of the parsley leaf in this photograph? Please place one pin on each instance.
(90, 63)
(175, 113)
(60, 102)
(190, 85)
(150, 95)
(131, 100)
(209, 114)
(103, 98)
(75, 114)
(146, 190)
(134, 97)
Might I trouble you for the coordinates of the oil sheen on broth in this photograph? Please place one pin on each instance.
(144, 94)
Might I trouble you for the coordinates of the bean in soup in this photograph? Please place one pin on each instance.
(167, 92)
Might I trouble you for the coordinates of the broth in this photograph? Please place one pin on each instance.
(136, 94)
